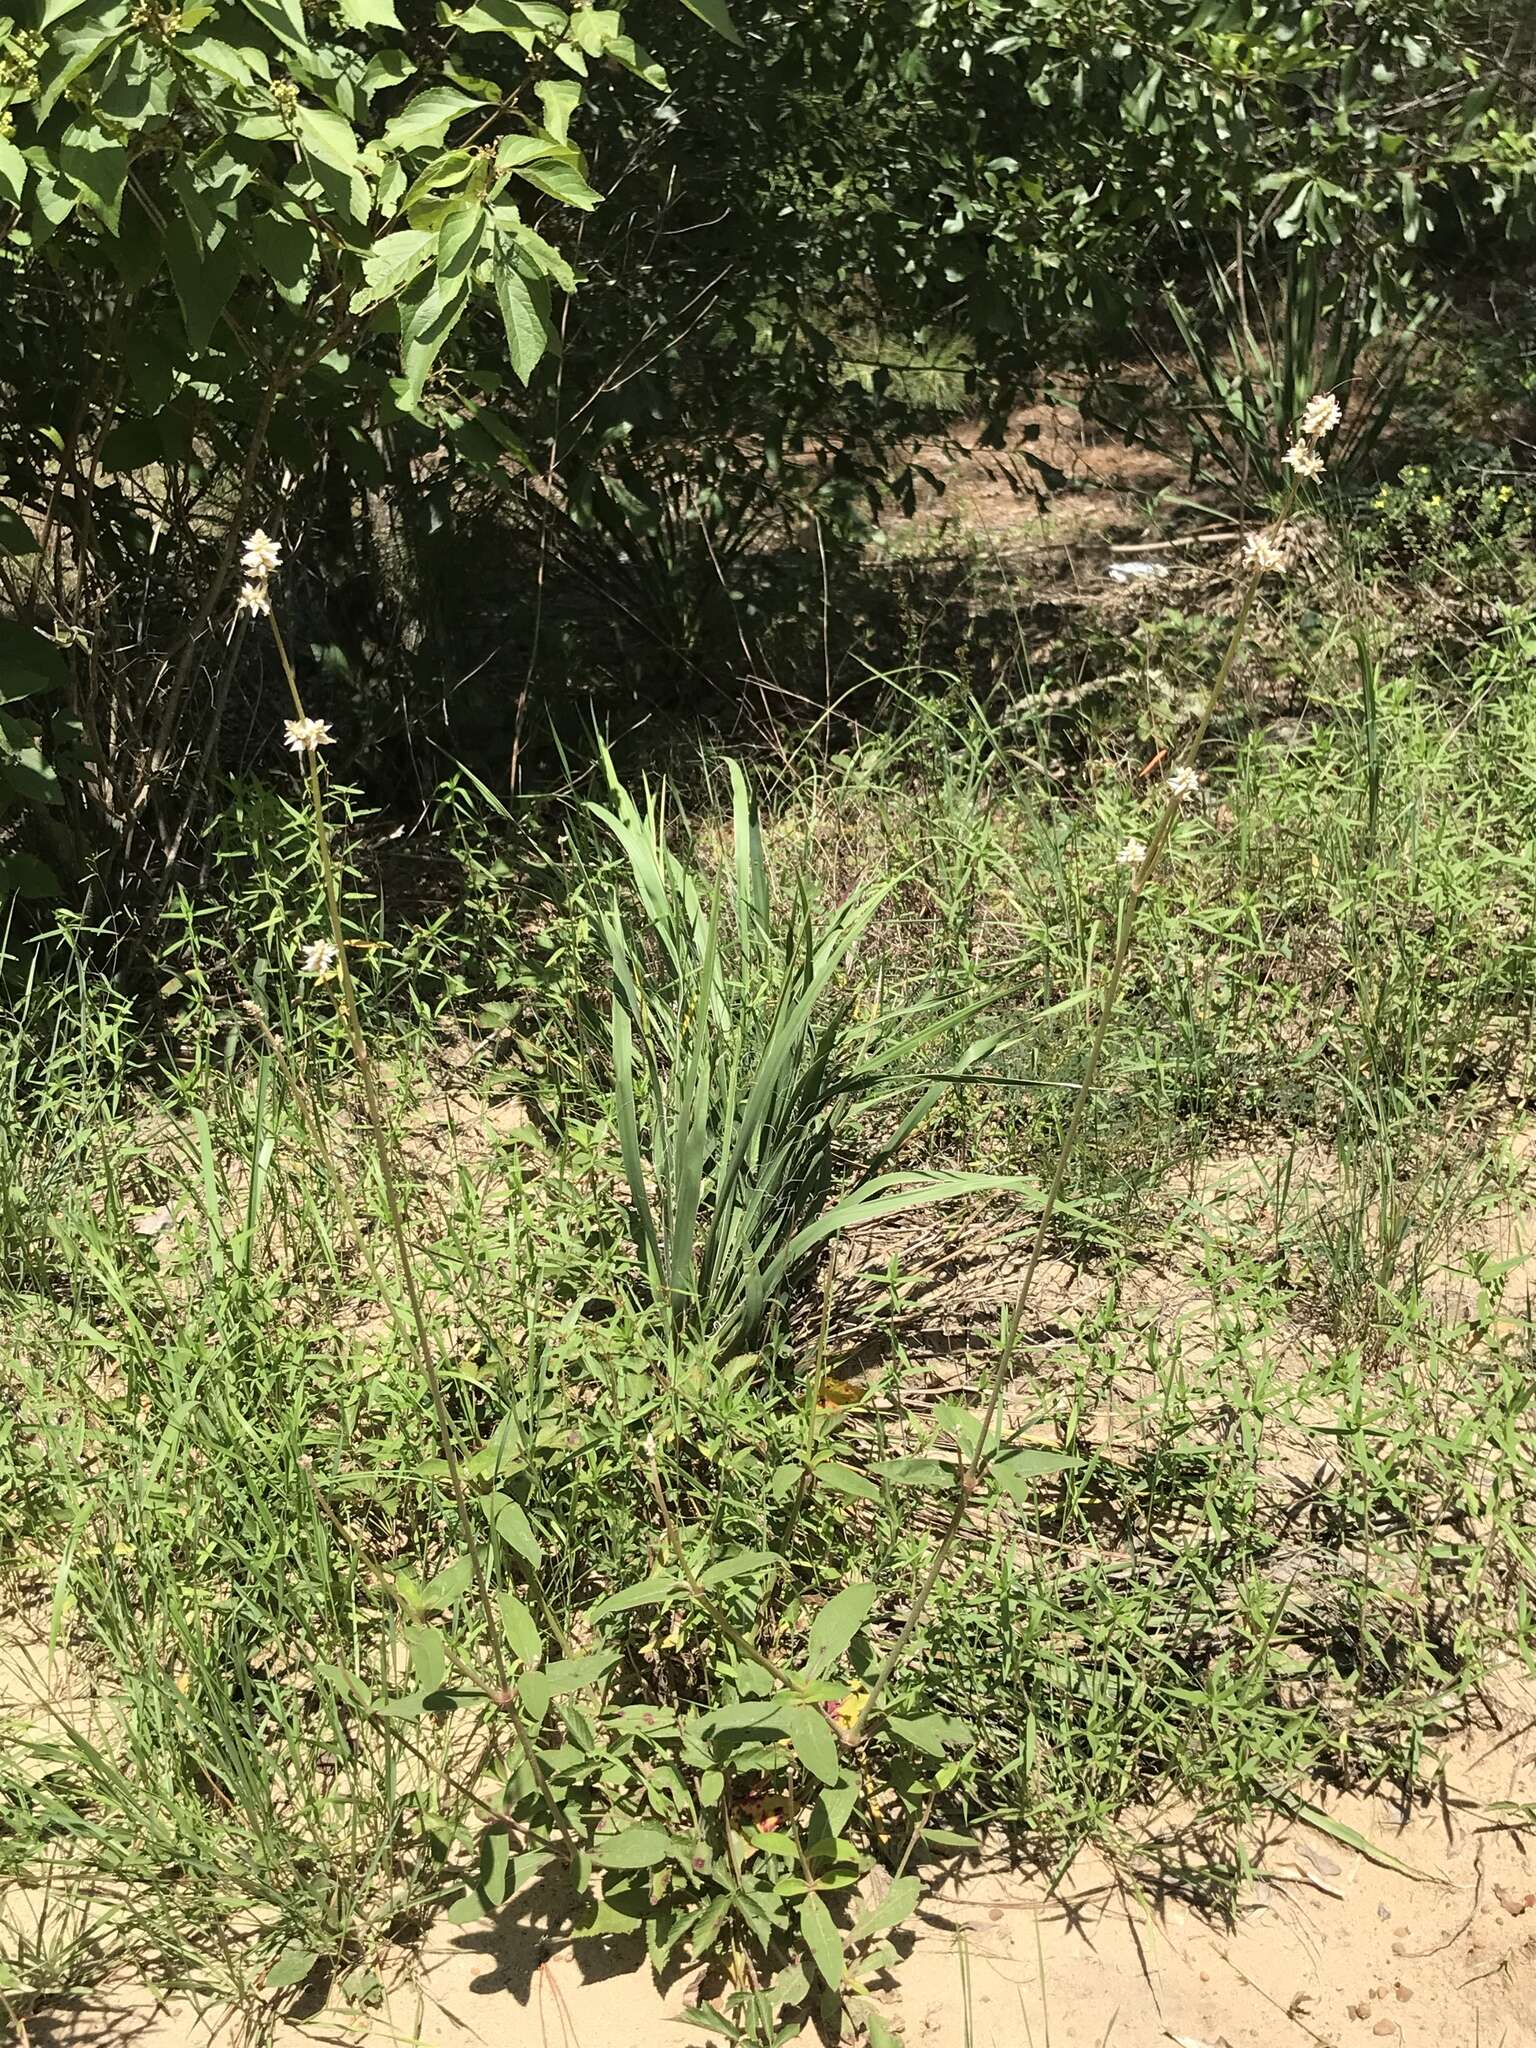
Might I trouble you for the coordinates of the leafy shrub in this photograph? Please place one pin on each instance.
(1468, 524)
(245, 249)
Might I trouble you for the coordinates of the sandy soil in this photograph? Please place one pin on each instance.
(1329, 1947)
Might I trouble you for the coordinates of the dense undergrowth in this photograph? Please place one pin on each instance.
(1261, 1511)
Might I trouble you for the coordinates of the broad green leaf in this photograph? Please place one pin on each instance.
(559, 97)
(285, 249)
(385, 68)
(334, 161)
(575, 1674)
(926, 1472)
(77, 48)
(204, 278)
(13, 171)
(459, 238)
(429, 312)
(495, 1859)
(1015, 1470)
(839, 1478)
(717, 15)
(28, 662)
(283, 18)
(291, 1967)
(23, 874)
(836, 1625)
(899, 1904)
(524, 304)
(928, 1732)
(98, 163)
(660, 1587)
(238, 67)
(535, 256)
(812, 1740)
(559, 180)
(391, 264)
(636, 1848)
(23, 768)
(519, 1628)
(369, 13)
(448, 1585)
(424, 123)
(821, 1939)
(327, 135)
(514, 1528)
(737, 1567)
(429, 1656)
(524, 20)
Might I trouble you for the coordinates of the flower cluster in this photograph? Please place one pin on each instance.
(1132, 854)
(1264, 552)
(318, 960)
(304, 735)
(1184, 786)
(1319, 417)
(260, 558)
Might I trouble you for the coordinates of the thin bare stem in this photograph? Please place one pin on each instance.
(505, 1696)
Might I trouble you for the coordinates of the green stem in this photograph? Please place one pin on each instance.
(506, 1698)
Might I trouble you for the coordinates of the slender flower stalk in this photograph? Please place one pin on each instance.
(316, 733)
(973, 1467)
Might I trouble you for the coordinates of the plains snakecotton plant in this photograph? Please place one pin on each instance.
(730, 1805)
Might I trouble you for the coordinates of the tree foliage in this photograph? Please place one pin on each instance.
(318, 264)
(240, 240)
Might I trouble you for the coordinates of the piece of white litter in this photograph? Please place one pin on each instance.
(1186, 2041)
(154, 1222)
(1138, 572)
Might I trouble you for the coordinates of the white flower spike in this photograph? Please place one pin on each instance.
(261, 556)
(1320, 415)
(253, 599)
(304, 735)
(1184, 786)
(319, 960)
(1132, 854)
(1304, 461)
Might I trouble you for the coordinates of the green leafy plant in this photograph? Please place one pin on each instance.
(1252, 378)
(752, 1074)
(254, 250)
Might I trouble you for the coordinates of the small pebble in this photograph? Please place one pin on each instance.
(1362, 2011)
(1399, 1948)
(1401, 1993)
(1384, 2027)
(996, 1913)
(1400, 1930)
(1383, 1912)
